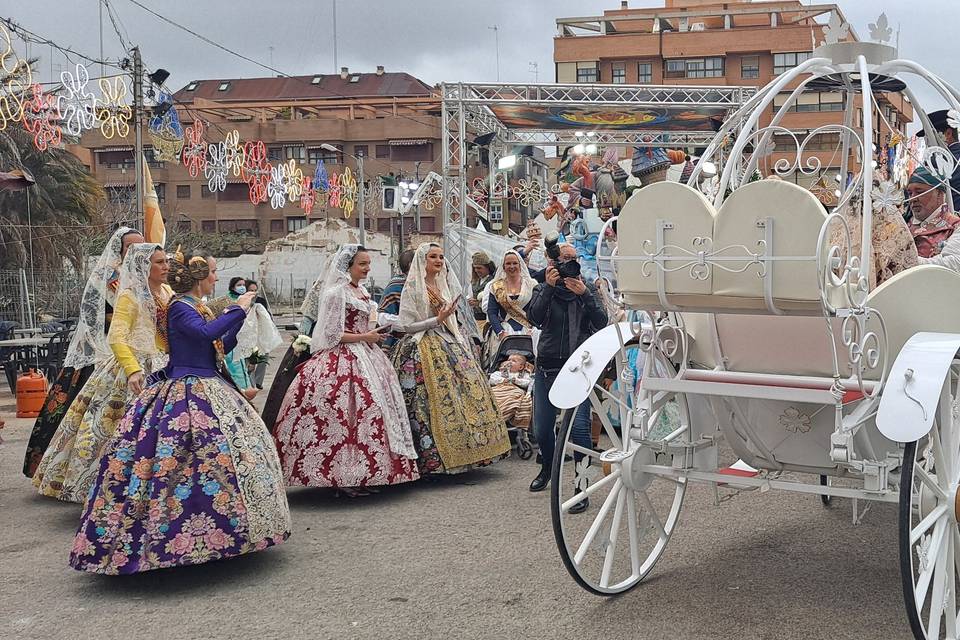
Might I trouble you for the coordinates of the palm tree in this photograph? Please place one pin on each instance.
(65, 203)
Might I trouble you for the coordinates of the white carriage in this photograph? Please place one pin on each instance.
(761, 333)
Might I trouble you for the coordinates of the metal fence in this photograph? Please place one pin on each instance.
(30, 298)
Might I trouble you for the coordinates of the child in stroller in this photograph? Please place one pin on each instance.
(511, 381)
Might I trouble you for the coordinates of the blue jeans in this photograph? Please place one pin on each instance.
(545, 418)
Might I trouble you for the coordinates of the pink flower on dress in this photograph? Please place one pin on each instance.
(182, 544)
(200, 419)
(119, 559)
(218, 539)
(182, 423)
(81, 545)
(198, 524)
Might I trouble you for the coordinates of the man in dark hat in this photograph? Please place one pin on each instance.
(931, 221)
(939, 121)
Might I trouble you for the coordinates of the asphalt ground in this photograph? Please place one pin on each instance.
(470, 556)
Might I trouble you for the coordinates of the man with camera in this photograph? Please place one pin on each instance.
(567, 311)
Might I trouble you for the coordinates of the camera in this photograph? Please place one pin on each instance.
(569, 269)
(551, 245)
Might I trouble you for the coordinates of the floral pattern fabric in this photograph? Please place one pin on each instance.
(69, 465)
(893, 245)
(931, 234)
(334, 427)
(63, 392)
(191, 476)
(282, 379)
(454, 421)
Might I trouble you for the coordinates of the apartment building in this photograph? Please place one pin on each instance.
(391, 120)
(737, 42)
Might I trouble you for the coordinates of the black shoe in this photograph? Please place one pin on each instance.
(541, 481)
(580, 507)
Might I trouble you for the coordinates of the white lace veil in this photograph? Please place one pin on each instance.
(526, 282)
(89, 342)
(332, 300)
(311, 301)
(141, 336)
(258, 332)
(414, 300)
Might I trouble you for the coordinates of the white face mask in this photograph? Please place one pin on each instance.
(240, 289)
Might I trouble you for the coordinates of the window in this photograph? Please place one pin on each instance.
(122, 195)
(184, 225)
(235, 192)
(428, 225)
(811, 101)
(246, 227)
(316, 80)
(412, 152)
(695, 68)
(295, 152)
(316, 154)
(276, 226)
(355, 78)
(383, 225)
(183, 192)
(676, 69)
(223, 86)
(619, 73)
(750, 67)
(645, 73)
(361, 150)
(193, 86)
(383, 151)
(588, 72)
(274, 154)
(783, 62)
(296, 223)
(116, 159)
(208, 226)
(205, 191)
(161, 189)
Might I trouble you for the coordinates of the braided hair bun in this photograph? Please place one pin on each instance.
(186, 271)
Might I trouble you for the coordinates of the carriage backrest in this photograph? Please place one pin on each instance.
(756, 255)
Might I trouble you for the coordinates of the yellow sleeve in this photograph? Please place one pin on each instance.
(124, 314)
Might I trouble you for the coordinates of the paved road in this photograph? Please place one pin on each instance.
(465, 557)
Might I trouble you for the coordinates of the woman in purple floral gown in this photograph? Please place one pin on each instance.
(192, 474)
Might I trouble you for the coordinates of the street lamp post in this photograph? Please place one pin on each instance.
(361, 190)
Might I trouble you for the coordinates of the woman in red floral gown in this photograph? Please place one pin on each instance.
(343, 422)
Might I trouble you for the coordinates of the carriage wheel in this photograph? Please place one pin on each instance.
(929, 537)
(611, 546)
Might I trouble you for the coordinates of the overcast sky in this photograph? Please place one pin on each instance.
(435, 40)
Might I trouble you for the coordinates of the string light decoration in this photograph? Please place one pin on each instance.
(42, 118)
(333, 191)
(529, 192)
(308, 196)
(76, 104)
(432, 197)
(234, 149)
(256, 170)
(480, 193)
(374, 192)
(348, 192)
(112, 111)
(166, 132)
(194, 156)
(321, 182)
(277, 186)
(293, 180)
(216, 168)
(12, 99)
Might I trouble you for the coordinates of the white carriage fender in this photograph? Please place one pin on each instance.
(584, 366)
(909, 400)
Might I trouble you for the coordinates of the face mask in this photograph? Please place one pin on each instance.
(240, 289)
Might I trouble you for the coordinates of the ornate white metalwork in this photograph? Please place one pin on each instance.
(76, 104)
(277, 186)
(887, 198)
(880, 31)
(702, 258)
(216, 168)
(836, 30)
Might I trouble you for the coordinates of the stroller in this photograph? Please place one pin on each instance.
(512, 344)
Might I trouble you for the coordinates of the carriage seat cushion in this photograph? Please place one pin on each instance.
(689, 224)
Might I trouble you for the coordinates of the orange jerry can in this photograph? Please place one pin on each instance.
(31, 394)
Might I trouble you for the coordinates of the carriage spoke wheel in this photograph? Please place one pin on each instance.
(929, 537)
(613, 544)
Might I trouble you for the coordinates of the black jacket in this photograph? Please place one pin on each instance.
(566, 321)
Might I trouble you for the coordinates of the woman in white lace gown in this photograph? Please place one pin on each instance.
(343, 422)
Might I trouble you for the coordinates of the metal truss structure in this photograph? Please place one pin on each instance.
(467, 111)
